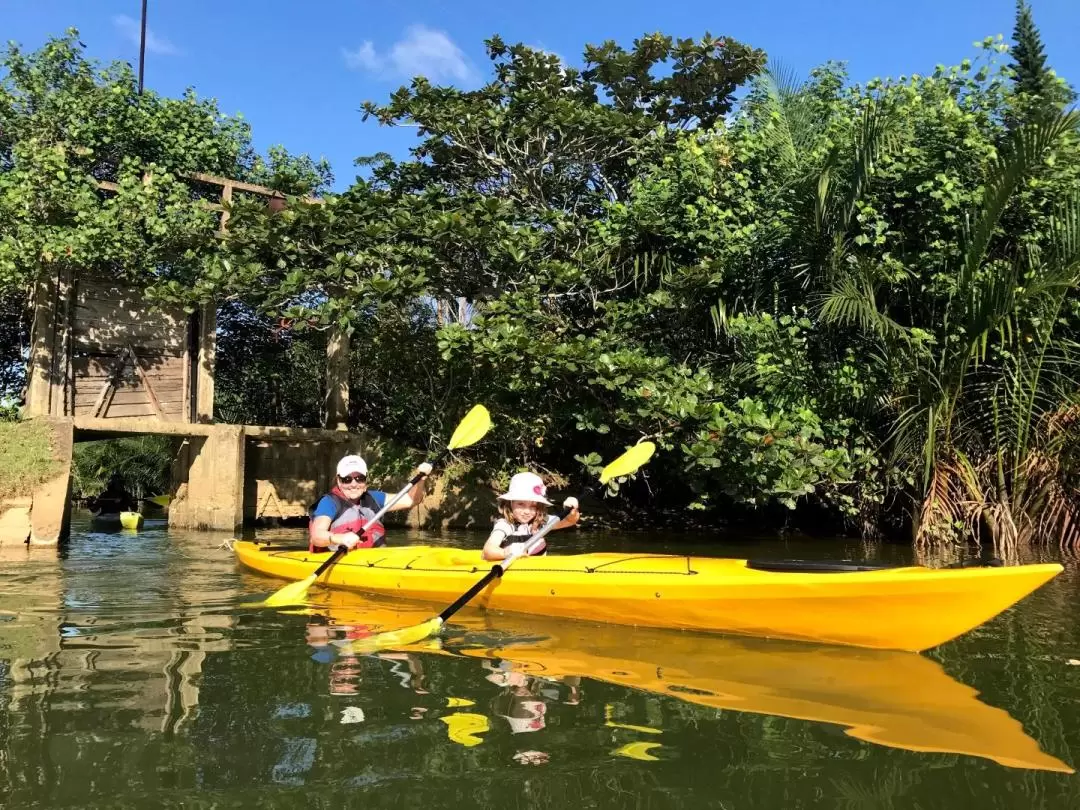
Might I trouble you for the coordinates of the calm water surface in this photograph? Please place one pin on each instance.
(133, 673)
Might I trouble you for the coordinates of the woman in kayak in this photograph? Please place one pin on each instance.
(341, 516)
(524, 512)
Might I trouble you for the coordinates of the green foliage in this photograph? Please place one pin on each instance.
(141, 463)
(14, 340)
(266, 375)
(67, 124)
(857, 297)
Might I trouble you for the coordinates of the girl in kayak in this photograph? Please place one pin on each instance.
(342, 516)
(524, 512)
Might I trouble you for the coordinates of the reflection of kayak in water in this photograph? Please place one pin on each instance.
(908, 608)
(895, 699)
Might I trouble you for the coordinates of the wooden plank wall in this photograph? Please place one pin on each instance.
(126, 361)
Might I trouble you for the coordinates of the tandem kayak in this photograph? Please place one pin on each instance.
(883, 697)
(905, 608)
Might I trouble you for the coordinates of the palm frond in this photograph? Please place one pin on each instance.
(1027, 147)
(851, 302)
(876, 134)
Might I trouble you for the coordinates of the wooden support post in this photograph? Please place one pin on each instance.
(50, 345)
(204, 376)
(336, 402)
(42, 346)
(226, 197)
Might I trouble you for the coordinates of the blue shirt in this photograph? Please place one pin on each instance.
(327, 506)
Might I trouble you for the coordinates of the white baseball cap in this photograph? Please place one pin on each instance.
(351, 464)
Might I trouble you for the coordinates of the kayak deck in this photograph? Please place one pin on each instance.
(911, 608)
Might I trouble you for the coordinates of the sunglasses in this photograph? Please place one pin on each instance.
(352, 479)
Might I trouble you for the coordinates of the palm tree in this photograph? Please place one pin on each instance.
(984, 416)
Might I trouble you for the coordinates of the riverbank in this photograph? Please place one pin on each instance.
(27, 458)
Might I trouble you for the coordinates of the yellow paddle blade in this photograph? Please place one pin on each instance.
(637, 750)
(476, 423)
(160, 500)
(295, 593)
(395, 639)
(628, 462)
(465, 728)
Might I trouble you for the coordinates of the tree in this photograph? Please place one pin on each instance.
(68, 125)
(1033, 80)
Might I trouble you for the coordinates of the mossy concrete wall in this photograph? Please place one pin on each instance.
(41, 515)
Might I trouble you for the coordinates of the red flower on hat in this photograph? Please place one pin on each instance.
(540, 489)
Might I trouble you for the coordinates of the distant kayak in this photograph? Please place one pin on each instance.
(902, 608)
(131, 520)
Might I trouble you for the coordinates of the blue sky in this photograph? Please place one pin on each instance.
(299, 72)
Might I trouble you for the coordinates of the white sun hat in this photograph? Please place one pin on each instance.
(351, 464)
(526, 486)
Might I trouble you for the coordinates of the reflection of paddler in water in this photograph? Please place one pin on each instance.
(347, 669)
(523, 703)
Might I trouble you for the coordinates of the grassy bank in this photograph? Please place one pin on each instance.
(26, 458)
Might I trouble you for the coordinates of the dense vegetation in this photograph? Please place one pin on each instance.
(848, 305)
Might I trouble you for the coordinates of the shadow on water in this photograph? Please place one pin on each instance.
(134, 672)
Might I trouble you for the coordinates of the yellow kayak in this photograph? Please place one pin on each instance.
(882, 697)
(131, 520)
(910, 608)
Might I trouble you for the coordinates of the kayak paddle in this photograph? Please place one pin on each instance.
(469, 431)
(625, 464)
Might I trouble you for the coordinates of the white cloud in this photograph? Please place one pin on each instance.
(550, 52)
(422, 51)
(130, 28)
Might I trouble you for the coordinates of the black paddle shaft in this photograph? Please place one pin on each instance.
(495, 572)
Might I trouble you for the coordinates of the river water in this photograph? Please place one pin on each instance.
(134, 673)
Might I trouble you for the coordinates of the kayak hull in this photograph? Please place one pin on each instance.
(910, 608)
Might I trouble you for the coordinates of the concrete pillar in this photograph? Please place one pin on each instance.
(50, 515)
(211, 471)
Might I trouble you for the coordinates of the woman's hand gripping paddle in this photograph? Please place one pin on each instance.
(628, 462)
(469, 431)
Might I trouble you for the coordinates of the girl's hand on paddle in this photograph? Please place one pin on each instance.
(573, 515)
(513, 551)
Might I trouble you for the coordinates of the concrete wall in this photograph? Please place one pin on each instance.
(43, 517)
(285, 473)
(227, 475)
